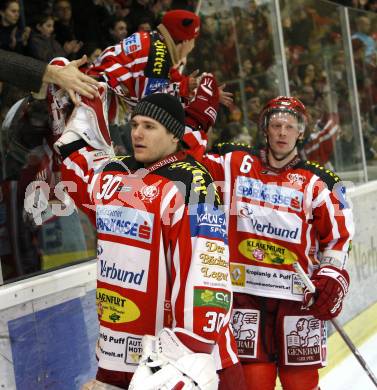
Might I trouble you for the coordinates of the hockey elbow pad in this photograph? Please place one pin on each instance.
(89, 122)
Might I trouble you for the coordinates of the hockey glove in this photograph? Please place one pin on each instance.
(89, 122)
(175, 359)
(201, 112)
(331, 287)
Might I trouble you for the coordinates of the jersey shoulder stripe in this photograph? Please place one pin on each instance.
(326, 175)
(197, 183)
(126, 164)
(229, 147)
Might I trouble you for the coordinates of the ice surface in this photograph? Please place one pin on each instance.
(349, 375)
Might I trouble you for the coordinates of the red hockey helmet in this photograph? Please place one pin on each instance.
(288, 104)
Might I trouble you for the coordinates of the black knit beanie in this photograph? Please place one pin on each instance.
(165, 109)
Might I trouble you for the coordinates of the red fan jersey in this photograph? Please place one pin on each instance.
(277, 217)
(319, 146)
(136, 67)
(162, 251)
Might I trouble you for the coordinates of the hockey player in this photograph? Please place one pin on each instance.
(162, 250)
(281, 210)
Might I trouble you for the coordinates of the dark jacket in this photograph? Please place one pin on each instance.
(21, 71)
(45, 49)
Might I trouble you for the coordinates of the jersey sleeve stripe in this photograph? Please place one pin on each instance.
(162, 282)
(334, 224)
(113, 68)
(178, 214)
(168, 197)
(177, 284)
(78, 171)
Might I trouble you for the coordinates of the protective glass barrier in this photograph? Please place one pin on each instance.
(35, 236)
(363, 27)
(237, 44)
(318, 66)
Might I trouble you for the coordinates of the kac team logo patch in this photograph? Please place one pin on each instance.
(149, 193)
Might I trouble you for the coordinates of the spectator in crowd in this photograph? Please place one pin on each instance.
(140, 10)
(116, 31)
(43, 45)
(144, 24)
(372, 5)
(89, 25)
(12, 35)
(122, 8)
(363, 26)
(160, 7)
(64, 28)
(92, 50)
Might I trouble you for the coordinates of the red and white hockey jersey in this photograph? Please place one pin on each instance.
(136, 67)
(162, 251)
(277, 217)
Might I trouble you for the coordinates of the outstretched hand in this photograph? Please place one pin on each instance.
(225, 98)
(72, 80)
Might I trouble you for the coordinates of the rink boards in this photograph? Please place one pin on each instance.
(48, 324)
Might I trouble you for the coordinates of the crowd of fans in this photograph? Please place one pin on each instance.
(238, 45)
(366, 5)
(45, 29)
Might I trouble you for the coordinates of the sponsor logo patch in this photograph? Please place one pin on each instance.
(296, 178)
(160, 59)
(134, 350)
(245, 324)
(341, 194)
(155, 85)
(115, 308)
(109, 270)
(149, 193)
(257, 220)
(266, 252)
(131, 44)
(212, 298)
(269, 193)
(303, 340)
(207, 221)
(123, 265)
(125, 222)
(215, 255)
(237, 273)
